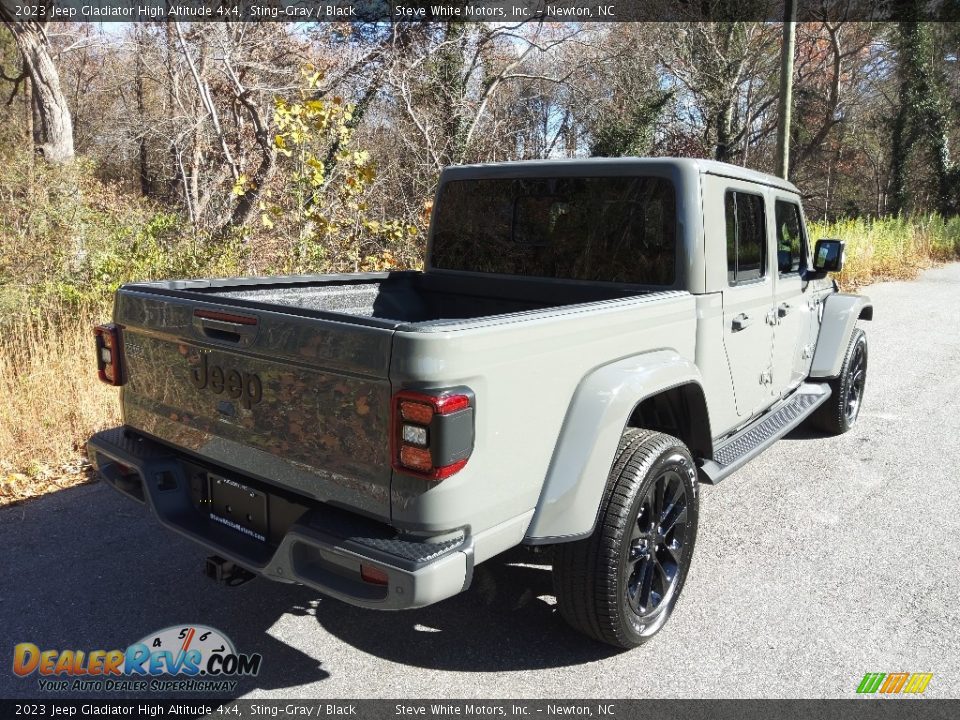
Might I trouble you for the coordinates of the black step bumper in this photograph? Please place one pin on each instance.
(322, 548)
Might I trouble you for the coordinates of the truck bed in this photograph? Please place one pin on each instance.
(289, 380)
(396, 299)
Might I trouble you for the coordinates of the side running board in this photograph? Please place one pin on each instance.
(763, 432)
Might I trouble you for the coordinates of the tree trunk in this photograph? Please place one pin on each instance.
(145, 184)
(723, 150)
(56, 122)
(247, 203)
(176, 176)
(28, 105)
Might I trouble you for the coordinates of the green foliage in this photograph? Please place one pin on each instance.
(625, 127)
(631, 99)
(68, 240)
(445, 88)
(921, 121)
(161, 248)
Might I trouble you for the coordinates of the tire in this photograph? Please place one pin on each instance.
(839, 413)
(621, 584)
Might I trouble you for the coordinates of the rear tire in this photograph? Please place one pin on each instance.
(621, 584)
(839, 413)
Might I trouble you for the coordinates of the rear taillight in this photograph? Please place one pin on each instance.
(432, 433)
(108, 353)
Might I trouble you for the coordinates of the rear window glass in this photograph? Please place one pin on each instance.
(614, 229)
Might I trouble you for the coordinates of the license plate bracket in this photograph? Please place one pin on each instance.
(238, 506)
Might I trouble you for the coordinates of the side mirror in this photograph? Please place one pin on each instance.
(827, 257)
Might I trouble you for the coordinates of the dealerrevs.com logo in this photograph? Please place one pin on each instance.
(178, 658)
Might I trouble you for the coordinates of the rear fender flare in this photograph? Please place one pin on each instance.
(596, 418)
(840, 314)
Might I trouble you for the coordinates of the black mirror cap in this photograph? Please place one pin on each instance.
(828, 256)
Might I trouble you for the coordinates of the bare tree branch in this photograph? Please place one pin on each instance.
(204, 91)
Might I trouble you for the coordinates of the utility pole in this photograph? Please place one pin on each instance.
(786, 87)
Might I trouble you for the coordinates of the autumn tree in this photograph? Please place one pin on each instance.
(320, 210)
(448, 83)
(49, 101)
(627, 97)
(838, 103)
(725, 70)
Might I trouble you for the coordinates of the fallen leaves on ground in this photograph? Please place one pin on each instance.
(16, 487)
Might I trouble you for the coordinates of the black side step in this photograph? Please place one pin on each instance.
(764, 432)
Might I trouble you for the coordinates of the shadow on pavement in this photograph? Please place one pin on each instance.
(505, 621)
(804, 433)
(86, 568)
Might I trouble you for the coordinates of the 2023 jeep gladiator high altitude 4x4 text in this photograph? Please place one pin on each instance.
(588, 340)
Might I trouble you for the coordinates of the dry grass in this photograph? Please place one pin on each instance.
(894, 248)
(52, 402)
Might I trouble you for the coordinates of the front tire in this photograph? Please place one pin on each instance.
(621, 584)
(841, 410)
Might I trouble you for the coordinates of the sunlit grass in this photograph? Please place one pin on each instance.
(52, 402)
(891, 248)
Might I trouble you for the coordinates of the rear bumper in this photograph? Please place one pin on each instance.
(322, 548)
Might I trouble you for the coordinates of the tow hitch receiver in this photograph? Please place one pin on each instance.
(226, 572)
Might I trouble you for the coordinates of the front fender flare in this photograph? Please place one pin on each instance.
(594, 423)
(840, 315)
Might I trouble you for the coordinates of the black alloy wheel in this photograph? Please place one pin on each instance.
(858, 379)
(840, 411)
(621, 584)
(656, 544)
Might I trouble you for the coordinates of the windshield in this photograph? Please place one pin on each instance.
(612, 229)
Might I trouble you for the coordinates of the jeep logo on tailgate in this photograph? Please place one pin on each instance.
(244, 387)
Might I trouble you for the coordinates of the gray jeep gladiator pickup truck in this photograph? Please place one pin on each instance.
(588, 341)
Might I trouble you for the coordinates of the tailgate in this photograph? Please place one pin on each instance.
(299, 402)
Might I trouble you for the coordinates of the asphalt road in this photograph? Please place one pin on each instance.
(820, 561)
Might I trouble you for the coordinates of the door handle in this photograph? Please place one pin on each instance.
(783, 309)
(225, 327)
(740, 322)
(226, 331)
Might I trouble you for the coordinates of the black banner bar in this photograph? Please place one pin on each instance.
(503, 11)
(874, 708)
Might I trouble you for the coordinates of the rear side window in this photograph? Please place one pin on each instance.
(746, 236)
(791, 245)
(612, 229)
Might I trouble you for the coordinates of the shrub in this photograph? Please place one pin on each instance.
(69, 240)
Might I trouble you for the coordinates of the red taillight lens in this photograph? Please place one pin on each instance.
(225, 317)
(432, 434)
(108, 353)
(447, 404)
(416, 458)
(416, 412)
